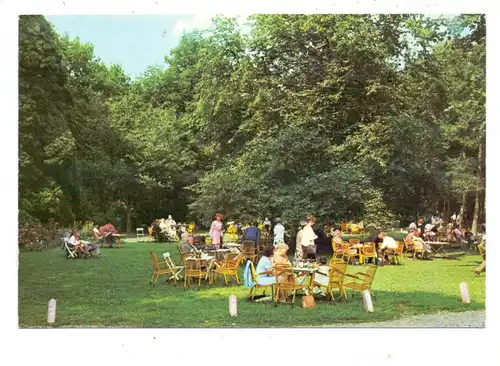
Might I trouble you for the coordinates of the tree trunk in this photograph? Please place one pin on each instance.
(129, 219)
(462, 208)
(475, 221)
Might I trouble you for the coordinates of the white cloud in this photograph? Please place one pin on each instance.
(199, 21)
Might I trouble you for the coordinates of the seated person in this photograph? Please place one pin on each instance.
(387, 247)
(265, 270)
(85, 247)
(429, 233)
(280, 254)
(419, 243)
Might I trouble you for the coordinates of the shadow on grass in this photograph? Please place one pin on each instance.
(213, 312)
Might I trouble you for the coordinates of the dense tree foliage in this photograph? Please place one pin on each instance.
(374, 117)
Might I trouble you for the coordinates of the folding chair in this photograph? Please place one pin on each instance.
(71, 250)
(140, 233)
(176, 270)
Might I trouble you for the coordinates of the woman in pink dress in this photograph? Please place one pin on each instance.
(216, 231)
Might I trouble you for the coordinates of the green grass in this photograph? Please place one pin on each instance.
(114, 291)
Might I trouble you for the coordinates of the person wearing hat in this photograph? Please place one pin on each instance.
(279, 232)
(280, 254)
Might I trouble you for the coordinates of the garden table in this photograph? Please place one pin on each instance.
(439, 248)
(309, 273)
(118, 237)
(233, 247)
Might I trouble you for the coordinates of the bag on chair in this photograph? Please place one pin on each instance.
(308, 302)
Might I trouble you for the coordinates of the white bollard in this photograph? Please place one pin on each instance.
(51, 317)
(464, 292)
(233, 306)
(367, 301)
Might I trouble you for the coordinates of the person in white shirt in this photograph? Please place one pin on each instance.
(387, 247)
(279, 232)
(412, 226)
(308, 239)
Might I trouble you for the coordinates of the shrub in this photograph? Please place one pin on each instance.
(86, 230)
(33, 237)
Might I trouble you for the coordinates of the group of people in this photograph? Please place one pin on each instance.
(249, 232)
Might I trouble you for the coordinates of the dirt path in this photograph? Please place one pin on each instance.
(467, 319)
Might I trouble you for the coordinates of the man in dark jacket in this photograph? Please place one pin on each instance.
(252, 233)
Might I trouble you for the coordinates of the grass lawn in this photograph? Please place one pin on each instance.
(114, 291)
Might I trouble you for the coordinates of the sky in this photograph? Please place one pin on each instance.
(135, 42)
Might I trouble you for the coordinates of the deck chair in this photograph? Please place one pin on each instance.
(361, 280)
(369, 251)
(229, 267)
(72, 251)
(251, 295)
(286, 280)
(335, 279)
(175, 270)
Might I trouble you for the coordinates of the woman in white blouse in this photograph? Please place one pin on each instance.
(308, 238)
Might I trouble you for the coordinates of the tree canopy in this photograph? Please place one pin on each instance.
(373, 117)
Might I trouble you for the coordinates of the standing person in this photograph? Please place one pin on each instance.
(482, 249)
(267, 225)
(421, 227)
(279, 232)
(299, 255)
(216, 231)
(308, 239)
(252, 233)
(454, 218)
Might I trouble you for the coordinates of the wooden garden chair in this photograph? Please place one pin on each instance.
(194, 267)
(286, 281)
(336, 276)
(159, 268)
(369, 251)
(354, 241)
(337, 251)
(249, 250)
(229, 267)
(418, 249)
(343, 228)
(361, 280)
(397, 257)
(251, 295)
(347, 252)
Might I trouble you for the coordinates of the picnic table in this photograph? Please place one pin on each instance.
(439, 248)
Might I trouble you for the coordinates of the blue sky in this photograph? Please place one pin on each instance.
(135, 42)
